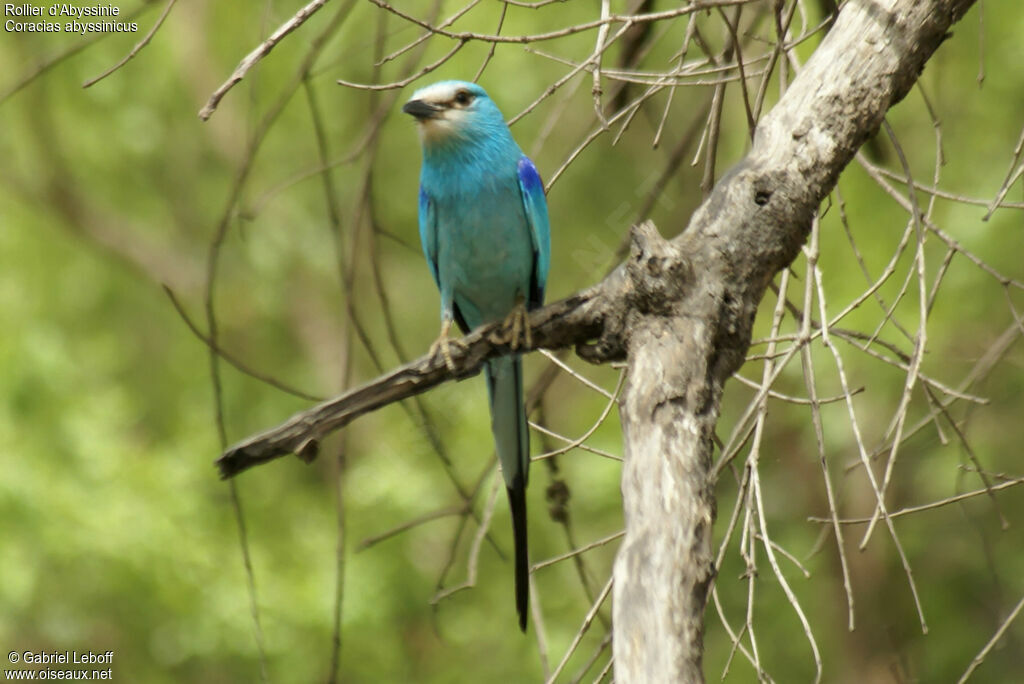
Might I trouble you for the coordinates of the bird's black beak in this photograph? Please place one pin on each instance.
(421, 110)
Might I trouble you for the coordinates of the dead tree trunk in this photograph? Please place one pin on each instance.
(690, 305)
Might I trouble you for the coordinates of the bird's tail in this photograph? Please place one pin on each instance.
(512, 441)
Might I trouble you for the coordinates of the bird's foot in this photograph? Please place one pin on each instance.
(515, 330)
(443, 344)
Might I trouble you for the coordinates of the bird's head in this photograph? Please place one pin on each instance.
(455, 111)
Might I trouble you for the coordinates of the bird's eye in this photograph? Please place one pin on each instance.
(463, 98)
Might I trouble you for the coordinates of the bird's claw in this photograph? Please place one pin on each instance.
(442, 346)
(515, 329)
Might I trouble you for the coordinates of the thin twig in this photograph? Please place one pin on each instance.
(474, 551)
(575, 552)
(445, 512)
(910, 510)
(569, 30)
(978, 659)
(135, 50)
(241, 367)
(587, 621)
(261, 51)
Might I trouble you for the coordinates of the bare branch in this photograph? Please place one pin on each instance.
(261, 51)
(569, 30)
(587, 621)
(239, 365)
(978, 659)
(572, 321)
(910, 510)
(135, 50)
(74, 48)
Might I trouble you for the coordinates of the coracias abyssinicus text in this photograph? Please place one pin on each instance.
(484, 227)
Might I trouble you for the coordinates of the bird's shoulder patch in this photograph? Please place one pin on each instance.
(528, 175)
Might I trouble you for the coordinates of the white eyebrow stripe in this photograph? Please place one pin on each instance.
(436, 93)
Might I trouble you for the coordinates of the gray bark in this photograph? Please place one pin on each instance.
(681, 312)
(693, 306)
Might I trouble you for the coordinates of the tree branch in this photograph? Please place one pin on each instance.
(570, 322)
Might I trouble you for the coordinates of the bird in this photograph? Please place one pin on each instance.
(483, 222)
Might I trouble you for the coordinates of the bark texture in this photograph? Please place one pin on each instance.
(681, 312)
(691, 308)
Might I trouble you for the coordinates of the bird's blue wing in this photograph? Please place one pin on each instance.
(428, 233)
(536, 206)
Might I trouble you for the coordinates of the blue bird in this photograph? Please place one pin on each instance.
(484, 228)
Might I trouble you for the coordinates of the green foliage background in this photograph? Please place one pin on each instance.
(115, 533)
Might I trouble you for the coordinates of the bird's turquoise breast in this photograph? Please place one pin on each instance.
(485, 254)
